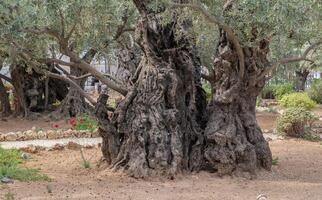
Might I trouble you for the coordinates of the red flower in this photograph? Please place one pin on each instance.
(55, 125)
(72, 121)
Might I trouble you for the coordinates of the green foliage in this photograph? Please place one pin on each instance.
(280, 90)
(275, 161)
(297, 100)
(86, 164)
(311, 137)
(86, 122)
(9, 167)
(295, 122)
(207, 88)
(315, 92)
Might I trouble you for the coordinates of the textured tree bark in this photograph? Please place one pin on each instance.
(158, 128)
(128, 65)
(234, 141)
(301, 78)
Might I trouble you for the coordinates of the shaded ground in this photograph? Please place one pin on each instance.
(298, 175)
(20, 124)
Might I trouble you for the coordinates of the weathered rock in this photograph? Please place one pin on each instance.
(31, 149)
(6, 180)
(57, 147)
(42, 135)
(11, 136)
(51, 134)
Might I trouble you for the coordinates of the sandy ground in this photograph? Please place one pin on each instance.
(298, 175)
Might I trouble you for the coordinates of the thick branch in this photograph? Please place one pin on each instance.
(230, 33)
(5, 78)
(88, 68)
(291, 59)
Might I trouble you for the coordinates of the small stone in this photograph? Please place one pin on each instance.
(11, 136)
(51, 134)
(95, 134)
(42, 135)
(6, 180)
(266, 131)
(30, 135)
(57, 147)
(73, 146)
(30, 149)
(34, 128)
(24, 156)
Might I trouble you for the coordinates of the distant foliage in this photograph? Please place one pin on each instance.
(282, 89)
(315, 92)
(297, 100)
(295, 122)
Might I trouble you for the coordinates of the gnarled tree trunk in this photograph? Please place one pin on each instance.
(301, 78)
(234, 141)
(157, 129)
(128, 64)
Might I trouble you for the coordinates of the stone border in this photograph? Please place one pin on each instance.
(43, 135)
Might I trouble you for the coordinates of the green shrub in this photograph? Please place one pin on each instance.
(295, 122)
(296, 100)
(9, 167)
(282, 89)
(315, 91)
(83, 123)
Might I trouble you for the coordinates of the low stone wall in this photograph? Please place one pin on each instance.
(50, 134)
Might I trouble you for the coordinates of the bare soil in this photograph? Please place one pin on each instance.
(297, 176)
(21, 124)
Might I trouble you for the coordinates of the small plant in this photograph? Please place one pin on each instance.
(275, 161)
(315, 91)
(86, 164)
(9, 167)
(207, 88)
(84, 122)
(9, 196)
(295, 122)
(283, 89)
(296, 100)
(311, 137)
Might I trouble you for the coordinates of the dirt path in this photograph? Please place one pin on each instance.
(298, 176)
(19, 124)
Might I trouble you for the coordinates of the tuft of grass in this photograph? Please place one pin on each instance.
(86, 164)
(275, 161)
(9, 196)
(10, 161)
(311, 137)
